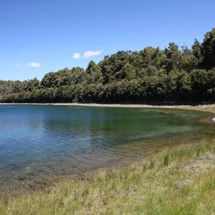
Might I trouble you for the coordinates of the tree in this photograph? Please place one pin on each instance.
(200, 84)
(208, 50)
(174, 57)
(94, 74)
(197, 52)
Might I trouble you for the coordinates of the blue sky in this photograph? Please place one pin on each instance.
(40, 36)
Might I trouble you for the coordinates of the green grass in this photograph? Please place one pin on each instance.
(170, 183)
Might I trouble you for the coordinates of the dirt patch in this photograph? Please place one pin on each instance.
(203, 163)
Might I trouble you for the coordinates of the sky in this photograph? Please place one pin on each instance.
(41, 36)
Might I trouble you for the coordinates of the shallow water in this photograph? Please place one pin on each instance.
(39, 144)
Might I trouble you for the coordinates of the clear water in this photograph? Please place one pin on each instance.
(39, 144)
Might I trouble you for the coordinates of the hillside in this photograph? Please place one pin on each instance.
(152, 75)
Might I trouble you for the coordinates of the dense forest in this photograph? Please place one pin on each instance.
(152, 75)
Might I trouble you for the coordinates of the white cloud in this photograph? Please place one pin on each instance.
(76, 56)
(33, 64)
(89, 54)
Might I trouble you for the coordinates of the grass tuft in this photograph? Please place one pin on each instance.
(166, 160)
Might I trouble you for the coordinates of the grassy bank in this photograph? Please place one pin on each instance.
(178, 181)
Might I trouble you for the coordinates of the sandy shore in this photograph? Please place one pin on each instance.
(206, 108)
(114, 105)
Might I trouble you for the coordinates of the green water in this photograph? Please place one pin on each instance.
(39, 144)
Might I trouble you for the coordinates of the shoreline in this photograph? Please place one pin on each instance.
(205, 108)
(117, 105)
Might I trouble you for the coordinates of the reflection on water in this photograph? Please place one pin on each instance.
(43, 143)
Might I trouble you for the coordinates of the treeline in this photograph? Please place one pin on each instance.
(172, 75)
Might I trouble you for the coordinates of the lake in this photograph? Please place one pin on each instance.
(41, 144)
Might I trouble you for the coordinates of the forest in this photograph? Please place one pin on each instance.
(173, 75)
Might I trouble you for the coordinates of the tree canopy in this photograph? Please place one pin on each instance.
(179, 75)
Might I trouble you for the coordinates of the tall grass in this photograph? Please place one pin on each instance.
(163, 185)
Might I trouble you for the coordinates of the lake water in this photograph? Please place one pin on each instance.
(39, 144)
